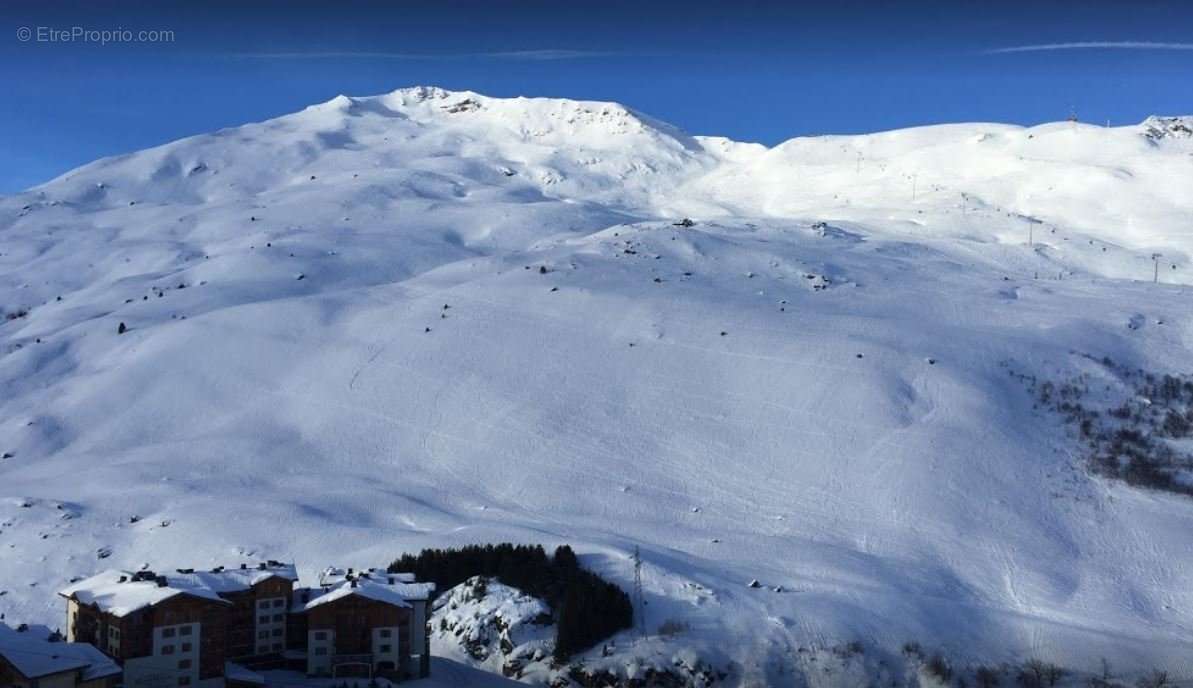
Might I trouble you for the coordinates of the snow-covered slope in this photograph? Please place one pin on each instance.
(430, 318)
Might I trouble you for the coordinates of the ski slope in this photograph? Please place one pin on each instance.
(431, 318)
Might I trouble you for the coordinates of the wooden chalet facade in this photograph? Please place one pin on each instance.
(182, 634)
(369, 623)
(258, 618)
(358, 636)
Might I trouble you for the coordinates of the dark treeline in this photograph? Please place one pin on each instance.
(587, 608)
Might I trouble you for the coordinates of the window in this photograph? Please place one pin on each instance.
(262, 619)
(277, 647)
(167, 649)
(277, 603)
(320, 650)
(262, 635)
(186, 647)
(167, 632)
(277, 633)
(184, 664)
(184, 680)
(185, 630)
(385, 633)
(320, 635)
(279, 617)
(263, 604)
(385, 648)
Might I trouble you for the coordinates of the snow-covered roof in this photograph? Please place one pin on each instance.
(370, 589)
(34, 656)
(122, 592)
(398, 589)
(238, 579)
(334, 575)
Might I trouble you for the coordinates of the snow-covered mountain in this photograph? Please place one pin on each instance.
(430, 318)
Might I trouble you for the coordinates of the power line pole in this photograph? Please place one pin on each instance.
(1156, 263)
(1031, 226)
(639, 602)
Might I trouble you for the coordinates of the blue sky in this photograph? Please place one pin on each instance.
(754, 71)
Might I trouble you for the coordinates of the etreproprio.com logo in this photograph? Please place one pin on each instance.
(82, 34)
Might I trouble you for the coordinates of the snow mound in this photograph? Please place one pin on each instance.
(487, 624)
(493, 625)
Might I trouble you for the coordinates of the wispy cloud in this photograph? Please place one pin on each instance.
(531, 55)
(1090, 45)
(549, 54)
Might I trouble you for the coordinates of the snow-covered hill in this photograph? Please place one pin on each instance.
(483, 623)
(430, 318)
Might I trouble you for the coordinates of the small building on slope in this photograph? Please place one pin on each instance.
(31, 660)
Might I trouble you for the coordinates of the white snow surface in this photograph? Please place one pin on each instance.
(432, 318)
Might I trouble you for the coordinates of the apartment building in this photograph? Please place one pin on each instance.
(162, 630)
(193, 629)
(367, 623)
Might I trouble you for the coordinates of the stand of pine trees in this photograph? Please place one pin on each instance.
(587, 608)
